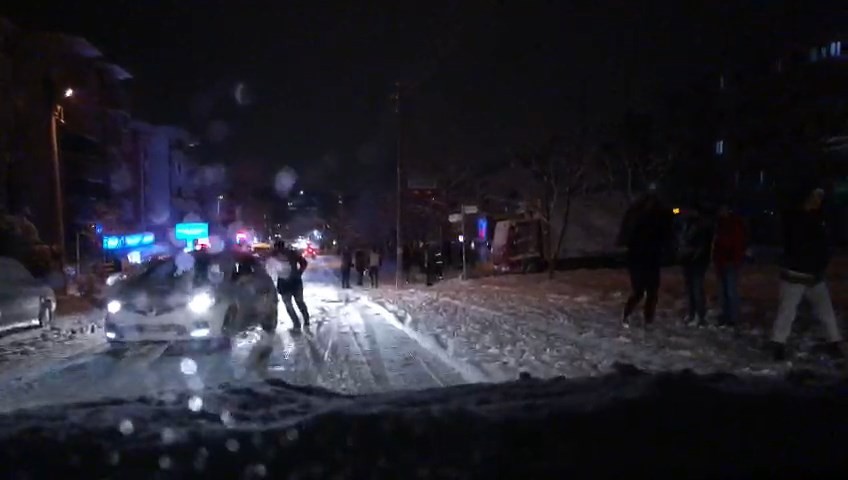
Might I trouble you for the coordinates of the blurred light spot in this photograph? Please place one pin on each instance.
(292, 434)
(165, 462)
(227, 418)
(169, 397)
(126, 427)
(114, 458)
(184, 262)
(216, 244)
(258, 470)
(168, 436)
(195, 403)
(284, 181)
(188, 366)
(200, 459)
(232, 445)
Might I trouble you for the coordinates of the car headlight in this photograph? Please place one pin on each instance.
(200, 302)
(113, 307)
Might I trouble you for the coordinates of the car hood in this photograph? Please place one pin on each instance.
(629, 421)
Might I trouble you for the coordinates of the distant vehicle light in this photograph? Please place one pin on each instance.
(675, 210)
(201, 302)
(200, 332)
(113, 307)
(110, 335)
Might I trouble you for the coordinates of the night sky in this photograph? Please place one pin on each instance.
(317, 77)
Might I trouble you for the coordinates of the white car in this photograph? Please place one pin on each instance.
(24, 301)
(214, 297)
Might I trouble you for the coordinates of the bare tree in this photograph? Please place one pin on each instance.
(560, 173)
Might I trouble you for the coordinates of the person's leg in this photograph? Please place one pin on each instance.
(287, 301)
(724, 294)
(733, 300)
(699, 275)
(652, 288)
(637, 291)
(689, 281)
(377, 277)
(819, 298)
(301, 305)
(790, 297)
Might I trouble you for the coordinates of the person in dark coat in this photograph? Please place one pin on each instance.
(645, 231)
(805, 260)
(347, 264)
(694, 256)
(729, 244)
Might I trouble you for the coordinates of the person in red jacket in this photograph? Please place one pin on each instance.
(729, 246)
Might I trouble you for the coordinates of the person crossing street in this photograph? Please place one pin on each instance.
(287, 267)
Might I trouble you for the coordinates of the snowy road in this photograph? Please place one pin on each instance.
(352, 346)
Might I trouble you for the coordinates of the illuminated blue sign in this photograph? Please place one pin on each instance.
(482, 228)
(116, 242)
(191, 231)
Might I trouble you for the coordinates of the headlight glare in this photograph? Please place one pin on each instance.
(113, 306)
(200, 302)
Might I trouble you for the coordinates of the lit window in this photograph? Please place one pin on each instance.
(838, 48)
(719, 147)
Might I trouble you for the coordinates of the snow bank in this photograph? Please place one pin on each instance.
(676, 424)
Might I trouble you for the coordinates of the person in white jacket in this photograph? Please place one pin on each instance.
(286, 268)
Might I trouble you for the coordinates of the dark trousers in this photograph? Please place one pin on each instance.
(346, 278)
(694, 276)
(644, 283)
(361, 278)
(729, 279)
(374, 275)
(294, 290)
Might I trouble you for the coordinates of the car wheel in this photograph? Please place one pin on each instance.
(45, 314)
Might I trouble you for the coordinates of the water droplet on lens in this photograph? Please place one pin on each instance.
(188, 366)
(165, 462)
(126, 427)
(232, 445)
(195, 403)
(168, 436)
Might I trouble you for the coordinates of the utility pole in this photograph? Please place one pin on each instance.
(398, 215)
(56, 116)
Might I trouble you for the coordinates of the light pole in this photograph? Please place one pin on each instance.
(57, 116)
(220, 197)
(398, 216)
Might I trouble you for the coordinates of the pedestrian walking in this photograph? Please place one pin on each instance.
(287, 267)
(374, 267)
(806, 257)
(645, 231)
(729, 247)
(347, 264)
(694, 256)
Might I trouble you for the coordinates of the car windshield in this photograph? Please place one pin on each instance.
(331, 219)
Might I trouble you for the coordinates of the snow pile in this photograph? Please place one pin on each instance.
(507, 325)
(716, 426)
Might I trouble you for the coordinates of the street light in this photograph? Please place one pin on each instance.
(56, 116)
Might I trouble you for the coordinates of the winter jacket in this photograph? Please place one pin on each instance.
(286, 269)
(347, 260)
(696, 246)
(730, 242)
(373, 259)
(806, 251)
(646, 233)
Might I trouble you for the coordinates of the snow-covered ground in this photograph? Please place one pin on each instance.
(570, 326)
(351, 347)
